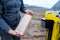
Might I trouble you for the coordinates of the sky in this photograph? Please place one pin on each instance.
(41, 3)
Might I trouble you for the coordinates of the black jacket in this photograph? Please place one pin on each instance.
(10, 13)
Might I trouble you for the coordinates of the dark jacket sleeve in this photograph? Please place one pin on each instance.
(23, 8)
(3, 24)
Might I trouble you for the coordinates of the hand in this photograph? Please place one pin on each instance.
(29, 12)
(12, 32)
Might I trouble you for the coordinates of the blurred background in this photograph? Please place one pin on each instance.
(39, 7)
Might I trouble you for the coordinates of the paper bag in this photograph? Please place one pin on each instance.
(23, 24)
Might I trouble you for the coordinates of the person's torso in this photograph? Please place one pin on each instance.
(11, 14)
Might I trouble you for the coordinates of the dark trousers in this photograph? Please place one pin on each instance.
(6, 36)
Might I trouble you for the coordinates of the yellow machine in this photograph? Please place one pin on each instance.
(51, 22)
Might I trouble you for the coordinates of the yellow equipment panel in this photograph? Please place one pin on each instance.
(54, 32)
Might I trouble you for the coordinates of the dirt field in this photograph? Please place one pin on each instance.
(34, 30)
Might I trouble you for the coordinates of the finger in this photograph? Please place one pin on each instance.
(30, 13)
(27, 12)
(19, 35)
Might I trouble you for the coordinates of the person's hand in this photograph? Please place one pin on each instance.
(12, 32)
(29, 12)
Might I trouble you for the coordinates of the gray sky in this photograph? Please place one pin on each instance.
(42, 3)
